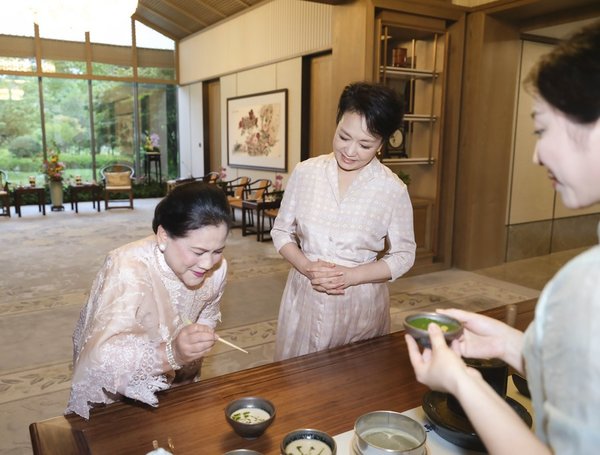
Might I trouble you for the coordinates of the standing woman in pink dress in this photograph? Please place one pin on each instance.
(346, 226)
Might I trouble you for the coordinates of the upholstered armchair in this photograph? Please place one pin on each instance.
(118, 180)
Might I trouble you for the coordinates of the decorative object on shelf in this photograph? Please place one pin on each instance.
(399, 56)
(396, 145)
(53, 170)
(31, 180)
(78, 180)
(257, 131)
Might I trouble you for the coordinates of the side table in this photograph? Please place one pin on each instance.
(149, 158)
(39, 192)
(249, 207)
(93, 188)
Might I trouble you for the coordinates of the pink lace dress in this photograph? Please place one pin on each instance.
(135, 304)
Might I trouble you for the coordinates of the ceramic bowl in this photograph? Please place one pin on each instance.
(250, 416)
(389, 433)
(299, 442)
(416, 325)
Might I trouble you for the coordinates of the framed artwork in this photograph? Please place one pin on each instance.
(257, 131)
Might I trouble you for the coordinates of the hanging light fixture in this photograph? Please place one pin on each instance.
(78, 15)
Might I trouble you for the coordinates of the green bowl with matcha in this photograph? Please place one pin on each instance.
(416, 325)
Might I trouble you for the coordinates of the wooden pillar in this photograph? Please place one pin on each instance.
(352, 43)
(485, 145)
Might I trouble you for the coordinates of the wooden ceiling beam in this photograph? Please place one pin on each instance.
(186, 13)
(210, 8)
(165, 18)
(246, 4)
(159, 29)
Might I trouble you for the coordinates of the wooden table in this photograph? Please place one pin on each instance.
(249, 208)
(93, 188)
(40, 193)
(327, 390)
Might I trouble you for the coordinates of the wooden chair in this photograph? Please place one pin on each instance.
(211, 177)
(180, 181)
(255, 191)
(235, 190)
(4, 194)
(270, 214)
(118, 179)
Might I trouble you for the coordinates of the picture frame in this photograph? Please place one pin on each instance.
(257, 131)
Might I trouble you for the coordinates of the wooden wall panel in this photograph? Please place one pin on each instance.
(323, 104)
(489, 84)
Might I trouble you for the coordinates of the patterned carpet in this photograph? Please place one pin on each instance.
(50, 262)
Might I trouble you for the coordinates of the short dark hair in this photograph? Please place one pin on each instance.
(381, 107)
(191, 206)
(568, 78)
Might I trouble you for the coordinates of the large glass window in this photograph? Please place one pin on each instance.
(66, 111)
(98, 108)
(158, 117)
(21, 152)
(113, 122)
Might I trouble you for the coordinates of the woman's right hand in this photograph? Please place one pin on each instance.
(193, 342)
(324, 277)
(486, 337)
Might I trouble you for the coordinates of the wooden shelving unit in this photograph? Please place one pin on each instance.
(411, 58)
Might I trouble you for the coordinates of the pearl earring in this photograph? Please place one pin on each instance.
(162, 247)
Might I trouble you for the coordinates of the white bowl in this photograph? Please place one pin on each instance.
(389, 433)
(322, 442)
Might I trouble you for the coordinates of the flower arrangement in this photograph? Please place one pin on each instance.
(53, 168)
(278, 182)
(152, 143)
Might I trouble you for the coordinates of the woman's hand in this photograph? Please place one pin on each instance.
(486, 337)
(193, 342)
(440, 368)
(327, 277)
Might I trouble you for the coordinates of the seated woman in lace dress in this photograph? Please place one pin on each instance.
(154, 304)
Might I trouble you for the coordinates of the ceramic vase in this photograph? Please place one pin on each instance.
(56, 195)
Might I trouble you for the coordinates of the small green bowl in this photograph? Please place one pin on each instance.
(416, 325)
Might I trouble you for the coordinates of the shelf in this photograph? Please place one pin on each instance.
(415, 118)
(409, 161)
(400, 72)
